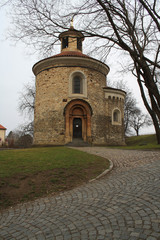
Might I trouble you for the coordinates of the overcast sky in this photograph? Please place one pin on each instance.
(16, 71)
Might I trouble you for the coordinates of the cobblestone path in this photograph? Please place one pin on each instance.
(125, 204)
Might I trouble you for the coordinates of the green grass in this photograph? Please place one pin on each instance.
(26, 174)
(143, 142)
(41, 159)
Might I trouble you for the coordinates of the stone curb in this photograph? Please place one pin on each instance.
(105, 172)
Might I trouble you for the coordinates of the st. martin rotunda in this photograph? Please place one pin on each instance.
(72, 98)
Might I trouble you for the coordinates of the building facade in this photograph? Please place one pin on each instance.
(73, 100)
(2, 135)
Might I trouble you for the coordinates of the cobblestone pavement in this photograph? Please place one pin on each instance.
(125, 204)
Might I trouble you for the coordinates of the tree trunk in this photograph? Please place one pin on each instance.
(152, 113)
(157, 128)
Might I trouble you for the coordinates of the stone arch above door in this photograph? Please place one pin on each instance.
(78, 108)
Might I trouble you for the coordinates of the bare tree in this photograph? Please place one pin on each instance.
(18, 138)
(152, 9)
(4, 3)
(28, 128)
(27, 99)
(139, 120)
(26, 106)
(129, 109)
(38, 23)
(131, 26)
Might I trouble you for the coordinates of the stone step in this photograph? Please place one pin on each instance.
(78, 142)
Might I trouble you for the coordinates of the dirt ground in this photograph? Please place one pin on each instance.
(21, 188)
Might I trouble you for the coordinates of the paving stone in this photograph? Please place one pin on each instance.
(151, 238)
(134, 234)
(123, 205)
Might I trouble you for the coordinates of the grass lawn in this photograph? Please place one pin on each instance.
(143, 142)
(26, 174)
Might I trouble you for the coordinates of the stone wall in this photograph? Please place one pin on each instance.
(115, 131)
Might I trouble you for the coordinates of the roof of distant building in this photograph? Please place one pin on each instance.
(2, 128)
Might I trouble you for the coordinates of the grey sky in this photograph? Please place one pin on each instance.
(16, 70)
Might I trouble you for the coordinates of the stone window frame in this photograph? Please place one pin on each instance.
(83, 93)
(118, 120)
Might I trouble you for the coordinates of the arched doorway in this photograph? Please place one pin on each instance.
(78, 120)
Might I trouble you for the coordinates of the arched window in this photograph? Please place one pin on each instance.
(116, 117)
(65, 42)
(77, 84)
(79, 44)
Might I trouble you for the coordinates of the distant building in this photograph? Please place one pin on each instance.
(73, 100)
(2, 134)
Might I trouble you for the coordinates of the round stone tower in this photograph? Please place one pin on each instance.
(72, 99)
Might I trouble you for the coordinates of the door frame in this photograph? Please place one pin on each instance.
(78, 109)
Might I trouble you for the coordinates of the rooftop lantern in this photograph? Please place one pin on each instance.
(71, 40)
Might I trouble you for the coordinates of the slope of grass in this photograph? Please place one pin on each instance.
(143, 142)
(29, 173)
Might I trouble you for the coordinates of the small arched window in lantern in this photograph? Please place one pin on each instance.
(65, 42)
(79, 44)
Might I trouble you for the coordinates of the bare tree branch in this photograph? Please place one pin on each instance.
(152, 12)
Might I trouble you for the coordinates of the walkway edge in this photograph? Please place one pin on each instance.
(105, 172)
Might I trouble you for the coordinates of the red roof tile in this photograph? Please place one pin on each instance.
(71, 53)
(3, 128)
